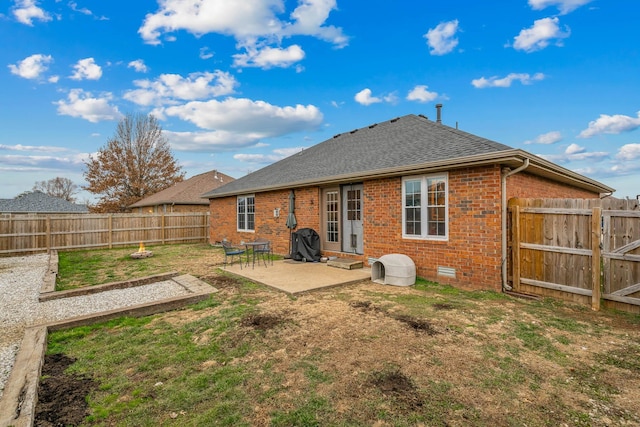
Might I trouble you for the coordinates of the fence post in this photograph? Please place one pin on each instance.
(48, 243)
(110, 231)
(162, 229)
(596, 233)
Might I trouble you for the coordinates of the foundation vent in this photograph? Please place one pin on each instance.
(447, 272)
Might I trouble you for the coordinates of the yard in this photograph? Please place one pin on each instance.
(363, 354)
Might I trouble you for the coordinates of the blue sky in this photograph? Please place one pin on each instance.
(238, 85)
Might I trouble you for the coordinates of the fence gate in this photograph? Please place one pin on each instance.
(621, 257)
(581, 250)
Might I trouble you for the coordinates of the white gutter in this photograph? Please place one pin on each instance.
(505, 285)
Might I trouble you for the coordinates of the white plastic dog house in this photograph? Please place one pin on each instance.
(394, 269)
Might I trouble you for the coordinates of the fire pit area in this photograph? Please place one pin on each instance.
(141, 253)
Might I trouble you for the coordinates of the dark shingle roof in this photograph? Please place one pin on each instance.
(39, 202)
(401, 142)
(187, 192)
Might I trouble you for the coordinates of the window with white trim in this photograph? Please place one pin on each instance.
(246, 209)
(424, 207)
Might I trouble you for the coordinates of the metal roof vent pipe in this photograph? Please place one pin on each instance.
(439, 113)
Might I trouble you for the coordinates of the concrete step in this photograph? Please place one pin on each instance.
(345, 263)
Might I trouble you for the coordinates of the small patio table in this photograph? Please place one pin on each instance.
(253, 246)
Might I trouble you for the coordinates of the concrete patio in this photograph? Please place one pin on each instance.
(295, 277)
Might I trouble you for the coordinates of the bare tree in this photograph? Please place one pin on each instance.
(136, 163)
(63, 188)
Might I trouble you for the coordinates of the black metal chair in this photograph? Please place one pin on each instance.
(264, 250)
(230, 251)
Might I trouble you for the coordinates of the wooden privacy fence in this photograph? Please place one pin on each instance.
(582, 250)
(35, 233)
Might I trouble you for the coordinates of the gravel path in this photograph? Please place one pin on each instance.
(20, 282)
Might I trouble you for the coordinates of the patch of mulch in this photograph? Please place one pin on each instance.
(419, 325)
(396, 385)
(262, 322)
(61, 397)
(363, 305)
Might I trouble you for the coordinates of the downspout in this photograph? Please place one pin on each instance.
(505, 285)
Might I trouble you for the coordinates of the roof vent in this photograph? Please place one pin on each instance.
(439, 113)
(423, 116)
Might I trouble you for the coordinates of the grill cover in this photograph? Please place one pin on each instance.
(305, 245)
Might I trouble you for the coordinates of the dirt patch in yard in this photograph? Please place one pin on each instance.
(369, 354)
(61, 396)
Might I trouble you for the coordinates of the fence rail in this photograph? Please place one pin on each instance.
(583, 250)
(36, 233)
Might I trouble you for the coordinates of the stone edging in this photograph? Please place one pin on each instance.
(88, 290)
(49, 279)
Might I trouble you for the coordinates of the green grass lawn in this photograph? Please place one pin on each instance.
(358, 355)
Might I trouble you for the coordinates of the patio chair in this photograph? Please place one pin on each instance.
(264, 250)
(230, 251)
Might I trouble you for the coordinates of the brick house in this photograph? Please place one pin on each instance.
(407, 185)
(184, 196)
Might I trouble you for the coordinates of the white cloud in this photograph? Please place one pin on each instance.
(564, 6)
(25, 11)
(84, 105)
(574, 152)
(364, 97)
(86, 69)
(540, 35)
(169, 88)
(252, 24)
(32, 66)
(308, 19)
(138, 65)
(22, 163)
(269, 57)
(610, 124)
(209, 141)
(83, 10)
(629, 152)
(441, 39)
(547, 138)
(40, 148)
(421, 94)
(495, 81)
(255, 119)
(574, 149)
(277, 155)
(205, 54)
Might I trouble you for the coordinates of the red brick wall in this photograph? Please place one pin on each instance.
(530, 186)
(473, 248)
(223, 217)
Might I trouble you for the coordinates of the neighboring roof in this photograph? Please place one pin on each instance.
(407, 144)
(187, 192)
(39, 202)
